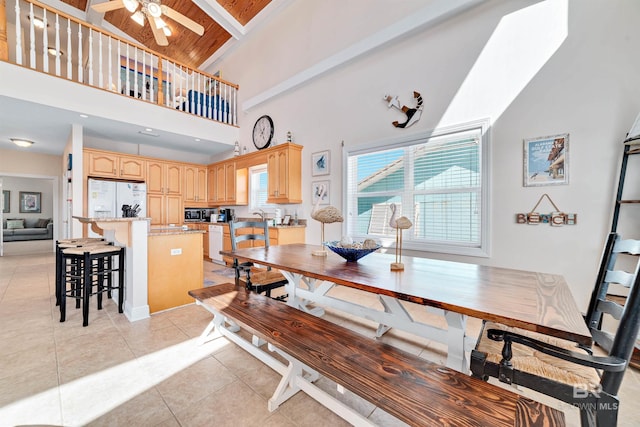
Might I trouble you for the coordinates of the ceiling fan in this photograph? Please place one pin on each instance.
(153, 11)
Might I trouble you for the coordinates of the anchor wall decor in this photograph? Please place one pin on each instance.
(413, 114)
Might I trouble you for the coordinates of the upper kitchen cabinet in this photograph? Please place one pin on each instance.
(110, 165)
(195, 186)
(229, 184)
(284, 171)
(164, 177)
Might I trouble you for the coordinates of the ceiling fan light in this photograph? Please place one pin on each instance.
(22, 142)
(138, 17)
(131, 5)
(154, 9)
(166, 30)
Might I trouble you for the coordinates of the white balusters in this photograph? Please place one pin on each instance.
(45, 43)
(69, 51)
(32, 37)
(18, 35)
(58, 53)
(80, 72)
(90, 57)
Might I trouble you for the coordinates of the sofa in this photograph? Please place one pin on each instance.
(21, 229)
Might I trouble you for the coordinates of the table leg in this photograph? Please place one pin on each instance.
(456, 357)
(293, 299)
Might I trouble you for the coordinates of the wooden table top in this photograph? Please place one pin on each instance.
(533, 301)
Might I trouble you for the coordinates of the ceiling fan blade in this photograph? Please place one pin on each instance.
(158, 34)
(180, 18)
(108, 6)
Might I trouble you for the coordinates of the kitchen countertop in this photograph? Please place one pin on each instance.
(224, 223)
(166, 231)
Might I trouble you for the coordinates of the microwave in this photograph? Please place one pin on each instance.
(192, 214)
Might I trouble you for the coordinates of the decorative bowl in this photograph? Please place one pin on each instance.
(350, 254)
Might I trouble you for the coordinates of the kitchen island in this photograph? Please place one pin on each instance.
(175, 266)
(132, 234)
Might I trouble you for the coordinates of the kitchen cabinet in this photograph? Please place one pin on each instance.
(277, 236)
(284, 171)
(164, 177)
(211, 184)
(195, 186)
(230, 184)
(165, 209)
(205, 236)
(112, 165)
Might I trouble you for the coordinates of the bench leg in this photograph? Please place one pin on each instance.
(287, 386)
(212, 331)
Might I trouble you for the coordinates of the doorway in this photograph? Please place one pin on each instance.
(41, 192)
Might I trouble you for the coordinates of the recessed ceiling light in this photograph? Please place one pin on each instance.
(22, 142)
(84, 116)
(148, 133)
(149, 130)
(37, 22)
(197, 139)
(53, 52)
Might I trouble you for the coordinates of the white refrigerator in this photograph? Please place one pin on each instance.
(106, 198)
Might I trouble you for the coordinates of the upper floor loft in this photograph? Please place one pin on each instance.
(51, 59)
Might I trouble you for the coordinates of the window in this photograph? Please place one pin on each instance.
(438, 181)
(258, 181)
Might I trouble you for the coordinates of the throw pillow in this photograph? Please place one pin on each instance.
(42, 222)
(12, 224)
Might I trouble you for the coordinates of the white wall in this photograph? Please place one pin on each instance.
(19, 184)
(534, 68)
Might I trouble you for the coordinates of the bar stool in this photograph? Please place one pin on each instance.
(88, 270)
(70, 243)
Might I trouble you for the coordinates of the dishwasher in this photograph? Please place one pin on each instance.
(215, 243)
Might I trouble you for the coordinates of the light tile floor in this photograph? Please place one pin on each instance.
(152, 372)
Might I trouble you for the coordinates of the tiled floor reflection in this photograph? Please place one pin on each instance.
(152, 372)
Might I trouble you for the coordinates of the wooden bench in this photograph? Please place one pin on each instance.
(412, 389)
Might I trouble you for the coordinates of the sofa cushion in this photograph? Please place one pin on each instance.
(13, 224)
(29, 231)
(42, 222)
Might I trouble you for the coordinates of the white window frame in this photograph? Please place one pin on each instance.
(480, 250)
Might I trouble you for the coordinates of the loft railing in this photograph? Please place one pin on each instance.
(50, 41)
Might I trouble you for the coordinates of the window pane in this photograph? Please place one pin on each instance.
(436, 182)
(382, 171)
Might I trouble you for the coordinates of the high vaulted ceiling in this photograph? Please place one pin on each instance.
(184, 46)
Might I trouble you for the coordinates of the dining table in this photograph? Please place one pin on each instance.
(534, 301)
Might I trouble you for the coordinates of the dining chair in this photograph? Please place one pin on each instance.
(560, 368)
(254, 277)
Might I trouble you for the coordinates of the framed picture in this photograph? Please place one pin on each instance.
(30, 202)
(320, 163)
(6, 201)
(315, 191)
(286, 220)
(546, 160)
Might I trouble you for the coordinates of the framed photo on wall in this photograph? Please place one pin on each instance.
(6, 201)
(320, 163)
(315, 191)
(546, 160)
(30, 202)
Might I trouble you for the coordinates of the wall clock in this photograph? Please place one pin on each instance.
(263, 132)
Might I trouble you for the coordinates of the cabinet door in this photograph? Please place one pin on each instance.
(104, 165)
(220, 184)
(211, 185)
(190, 183)
(155, 208)
(131, 168)
(230, 182)
(173, 209)
(155, 177)
(173, 179)
(205, 240)
(201, 187)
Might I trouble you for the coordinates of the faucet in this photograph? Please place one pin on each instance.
(262, 214)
